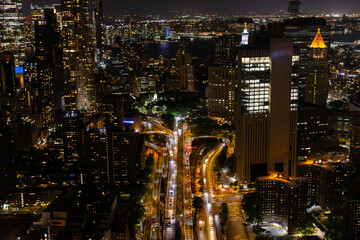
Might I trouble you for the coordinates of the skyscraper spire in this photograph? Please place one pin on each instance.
(245, 36)
(318, 41)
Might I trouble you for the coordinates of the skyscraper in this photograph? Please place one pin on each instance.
(77, 56)
(225, 48)
(316, 90)
(266, 110)
(245, 36)
(49, 64)
(221, 92)
(302, 31)
(126, 155)
(186, 71)
(12, 24)
(98, 31)
(73, 127)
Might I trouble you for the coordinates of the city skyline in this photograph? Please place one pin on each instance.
(148, 7)
(153, 125)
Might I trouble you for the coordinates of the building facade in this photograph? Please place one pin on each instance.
(221, 92)
(282, 200)
(317, 82)
(266, 110)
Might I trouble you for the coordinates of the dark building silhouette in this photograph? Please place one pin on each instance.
(7, 162)
(7, 73)
(294, 7)
(73, 129)
(49, 66)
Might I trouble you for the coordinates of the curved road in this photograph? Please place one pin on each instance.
(207, 173)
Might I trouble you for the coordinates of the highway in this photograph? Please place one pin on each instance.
(171, 192)
(207, 175)
(164, 166)
(184, 189)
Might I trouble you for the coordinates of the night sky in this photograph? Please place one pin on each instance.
(115, 7)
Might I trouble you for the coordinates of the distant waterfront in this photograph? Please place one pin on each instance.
(205, 47)
(348, 37)
(198, 48)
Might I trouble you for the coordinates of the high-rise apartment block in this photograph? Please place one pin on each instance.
(325, 180)
(282, 199)
(351, 218)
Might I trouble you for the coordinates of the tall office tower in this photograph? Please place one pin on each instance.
(302, 31)
(12, 24)
(7, 73)
(77, 57)
(225, 48)
(98, 31)
(294, 7)
(282, 199)
(126, 153)
(49, 65)
(96, 165)
(317, 82)
(186, 71)
(351, 218)
(73, 127)
(221, 92)
(266, 109)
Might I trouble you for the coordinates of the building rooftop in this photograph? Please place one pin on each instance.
(317, 162)
(289, 181)
(318, 41)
